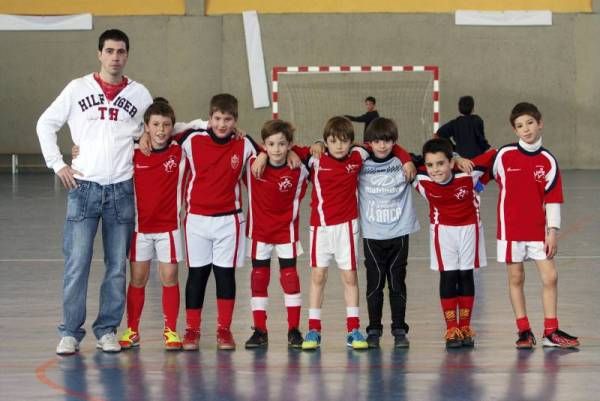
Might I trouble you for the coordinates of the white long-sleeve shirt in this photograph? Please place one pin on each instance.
(104, 130)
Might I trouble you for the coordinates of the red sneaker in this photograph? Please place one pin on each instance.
(559, 338)
(225, 339)
(526, 340)
(191, 339)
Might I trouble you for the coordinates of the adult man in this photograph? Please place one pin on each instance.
(105, 113)
(370, 115)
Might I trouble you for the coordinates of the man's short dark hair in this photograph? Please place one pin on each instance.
(466, 105)
(438, 145)
(113, 34)
(382, 129)
(225, 103)
(370, 99)
(522, 109)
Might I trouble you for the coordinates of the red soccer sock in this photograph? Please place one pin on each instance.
(523, 324)
(293, 314)
(224, 312)
(260, 319)
(550, 325)
(135, 304)
(352, 322)
(465, 309)
(170, 304)
(449, 308)
(193, 318)
(314, 324)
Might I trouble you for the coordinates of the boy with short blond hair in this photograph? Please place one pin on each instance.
(273, 213)
(528, 221)
(214, 224)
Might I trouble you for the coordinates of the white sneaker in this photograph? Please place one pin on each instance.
(109, 343)
(68, 345)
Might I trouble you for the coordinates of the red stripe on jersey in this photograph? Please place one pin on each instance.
(508, 257)
(438, 249)
(237, 240)
(313, 253)
(172, 247)
(352, 254)
(133, 247)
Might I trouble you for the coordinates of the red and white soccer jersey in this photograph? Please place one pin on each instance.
(274, 203)
(527, 181)
(158, 189)
(216, 166)
(456, 241)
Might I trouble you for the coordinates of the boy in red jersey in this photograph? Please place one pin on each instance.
(274, 204)
(456, 242)
(214, 225)
(334, 226)
(528, 221)
(157, 183)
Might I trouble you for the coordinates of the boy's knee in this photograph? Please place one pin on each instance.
(318, 276)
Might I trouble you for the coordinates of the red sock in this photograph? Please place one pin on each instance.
(550, 325)
(293, 314)
(193, 318)
(465, 308)
(449, 308)
(224, 312)
(260, 319)
(523, 324)
(314, 324)
(135, 304)
(352, 323)
(170, 304)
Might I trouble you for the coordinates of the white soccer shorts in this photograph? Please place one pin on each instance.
(167, 247)
(339, 241)
(263, 251)
(519, 251)
(215, 240)
(456, 247)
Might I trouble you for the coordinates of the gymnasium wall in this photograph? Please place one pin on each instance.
(189, 58)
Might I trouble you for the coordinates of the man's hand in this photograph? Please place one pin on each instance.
(66, 175)
(293, 160)
(258, 167)
(410, 171)
(551, 243)
(145, 144)
(74, 151)
(464, 165)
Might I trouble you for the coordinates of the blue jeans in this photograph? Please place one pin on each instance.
(86, 206)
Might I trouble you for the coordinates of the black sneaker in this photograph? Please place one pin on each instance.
(526, 340)
(400, 339)
(295, 338)
(259, 339)
(373, 337)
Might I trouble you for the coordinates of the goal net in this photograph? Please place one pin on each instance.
(308, 96)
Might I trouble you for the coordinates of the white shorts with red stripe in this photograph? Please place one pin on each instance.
(519, 251)
(263, 251)
(215, 240)
(339, 242)
(165, 246)
(456, 247)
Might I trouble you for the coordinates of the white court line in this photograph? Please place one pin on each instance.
(584, 257)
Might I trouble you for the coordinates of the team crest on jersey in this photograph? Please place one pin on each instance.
(285, 184)
(539, 173)
(461, 193)
(170, 165)
(351, 168)
(235, 161)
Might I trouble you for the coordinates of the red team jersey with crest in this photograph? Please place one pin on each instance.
(527, 181)
(215, 166)
(157, 181)
(454, 203)
(274, 203)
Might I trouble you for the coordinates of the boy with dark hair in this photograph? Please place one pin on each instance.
(387, 217)
(466, 130)
(528, 221)
(456, 240)
(157, 182)
(273, 213)
(104, 111)
(370, 115)
(214, 224)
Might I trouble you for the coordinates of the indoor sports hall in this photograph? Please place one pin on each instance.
(305, 62)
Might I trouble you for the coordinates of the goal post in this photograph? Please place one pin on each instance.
(309, 95)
